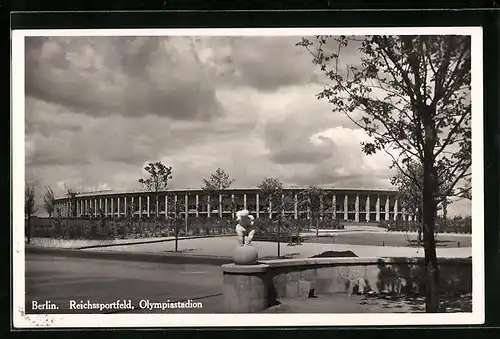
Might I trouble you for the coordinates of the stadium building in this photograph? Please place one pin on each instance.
(353, 205)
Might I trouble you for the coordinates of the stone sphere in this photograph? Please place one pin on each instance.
(245, 255)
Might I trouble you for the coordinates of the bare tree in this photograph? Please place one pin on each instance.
(178, 209)
(71, 194)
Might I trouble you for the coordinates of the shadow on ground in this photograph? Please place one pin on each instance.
(416, 303)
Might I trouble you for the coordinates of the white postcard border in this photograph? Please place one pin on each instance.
(21, 320)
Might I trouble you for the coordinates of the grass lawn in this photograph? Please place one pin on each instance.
(389, 239)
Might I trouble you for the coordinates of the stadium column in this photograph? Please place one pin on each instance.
(157, 201)
(396, 209)
(85, 206)
(257, 205)
(175, 205)
(270, 209)
(186, 210)
(124, 206)
(356, 208)
(232, 206)
(295, 206)
(245, 201)
(334, 206)
(166, 206)
(95, 207)
(112, 207)
(118, 206)
(149, 206)
(387, 200)
(377, 208)
(100, 205)
(132, 206)
(220, 206)
(321, 207)
(208, 206)
(106, 207)
(346, 207)
(367, 207)
(197, 205)
(140, 206)
(282, 205)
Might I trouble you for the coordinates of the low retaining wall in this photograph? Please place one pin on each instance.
(253, 288)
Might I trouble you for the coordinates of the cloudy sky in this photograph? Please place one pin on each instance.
(99, 108)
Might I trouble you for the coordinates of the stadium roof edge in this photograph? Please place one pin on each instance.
(120, 192)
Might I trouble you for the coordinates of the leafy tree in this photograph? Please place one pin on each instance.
(411, 194)
(29, 207)
(272, 191)
(312, 199)
(159, 175)
(49, 201)
(411, 94)
(215, 186)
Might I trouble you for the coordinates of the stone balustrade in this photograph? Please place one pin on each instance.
(253, 288)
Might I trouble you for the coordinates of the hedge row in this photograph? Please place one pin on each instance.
(457, 224)
(107, 228)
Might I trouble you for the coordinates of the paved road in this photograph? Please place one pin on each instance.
(60, 279)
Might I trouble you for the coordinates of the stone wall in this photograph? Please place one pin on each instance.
(245, 286)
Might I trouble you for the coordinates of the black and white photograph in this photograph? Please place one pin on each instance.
(212, 177)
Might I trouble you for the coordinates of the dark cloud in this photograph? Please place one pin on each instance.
(102, 76)
(57, 136)
(288, 140)
(268, 63)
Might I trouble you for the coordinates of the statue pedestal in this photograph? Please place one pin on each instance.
(245, 255)
(246, 288)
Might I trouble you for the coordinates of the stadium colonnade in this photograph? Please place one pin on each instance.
(354, 205)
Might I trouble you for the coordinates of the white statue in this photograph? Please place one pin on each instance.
(245, 227)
